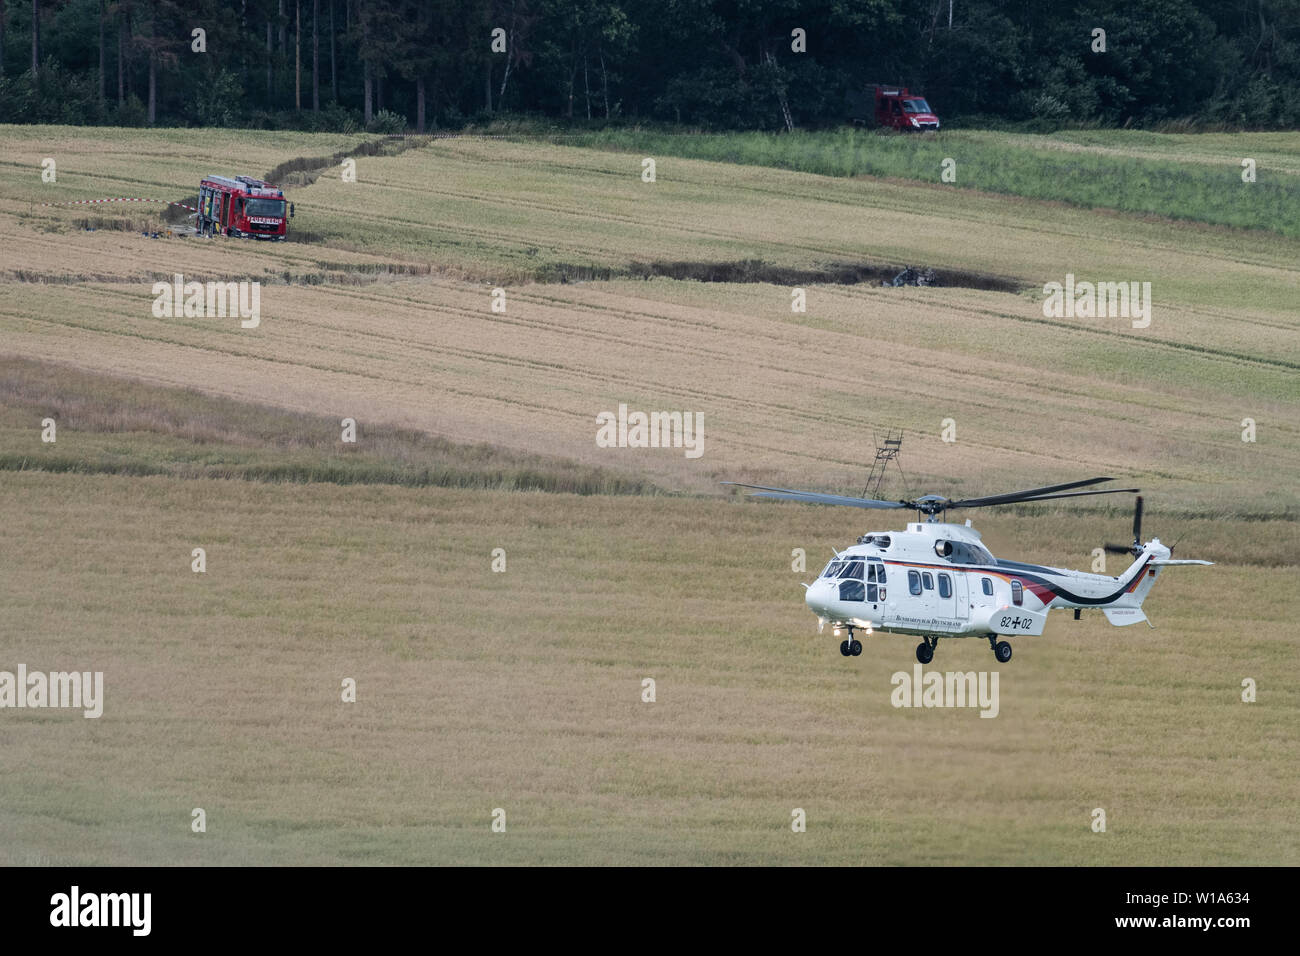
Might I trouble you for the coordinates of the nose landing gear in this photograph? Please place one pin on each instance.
(851, 647)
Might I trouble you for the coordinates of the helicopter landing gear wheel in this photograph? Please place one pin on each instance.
(845, 649)
(925, 651)
(1001, 650)
(855, 648)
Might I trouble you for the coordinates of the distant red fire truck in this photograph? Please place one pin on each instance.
(892, 106)
(242, 206)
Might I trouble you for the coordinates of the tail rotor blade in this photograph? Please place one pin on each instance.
(1137, 521)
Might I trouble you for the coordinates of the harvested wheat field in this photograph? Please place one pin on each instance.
(473, 305)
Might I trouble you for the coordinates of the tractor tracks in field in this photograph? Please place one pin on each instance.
(330, 336)
(1058, 393)
(796, 186)
(758, 336)
(833, 256)
(836, 268)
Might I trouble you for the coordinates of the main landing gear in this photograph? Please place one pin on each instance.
(1001, 649)
(851, 647)
(925, 650)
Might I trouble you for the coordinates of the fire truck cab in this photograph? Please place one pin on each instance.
(898, 108)
(242, 206)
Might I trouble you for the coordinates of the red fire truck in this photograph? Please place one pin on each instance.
(893, 106)
(242, 206)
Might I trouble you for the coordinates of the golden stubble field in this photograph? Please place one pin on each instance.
(786, 397)
(522, 690)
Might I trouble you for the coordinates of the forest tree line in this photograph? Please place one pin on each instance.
(423, 65)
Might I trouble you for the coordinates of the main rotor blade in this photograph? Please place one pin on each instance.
(1017, 501)
(813, 497)
(1012, 496)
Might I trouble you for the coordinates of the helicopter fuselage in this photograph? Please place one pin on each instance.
(938, 580)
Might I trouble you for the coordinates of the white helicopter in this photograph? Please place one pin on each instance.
(937, 580)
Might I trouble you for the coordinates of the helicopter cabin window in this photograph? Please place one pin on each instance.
(928, 579)
(913, 582)
(875, 581)
(987, 584)
(945, 586)
(1017, 592)
(852, 591)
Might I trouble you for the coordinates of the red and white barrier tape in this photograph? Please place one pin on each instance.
(91, 202)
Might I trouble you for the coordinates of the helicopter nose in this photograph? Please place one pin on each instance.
(818, 596)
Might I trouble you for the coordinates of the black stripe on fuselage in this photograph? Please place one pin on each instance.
(1055, 588)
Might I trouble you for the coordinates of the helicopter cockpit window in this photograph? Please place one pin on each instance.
(1017, 592)
(833, 569)
(913, 582)
(852, 569)
(852, 591)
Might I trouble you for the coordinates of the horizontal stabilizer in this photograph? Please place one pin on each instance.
(1168, 561)
(1124, 616)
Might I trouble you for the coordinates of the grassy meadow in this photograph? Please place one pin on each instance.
(521, 689)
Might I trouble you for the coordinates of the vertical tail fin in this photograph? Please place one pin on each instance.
(1152, 558)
